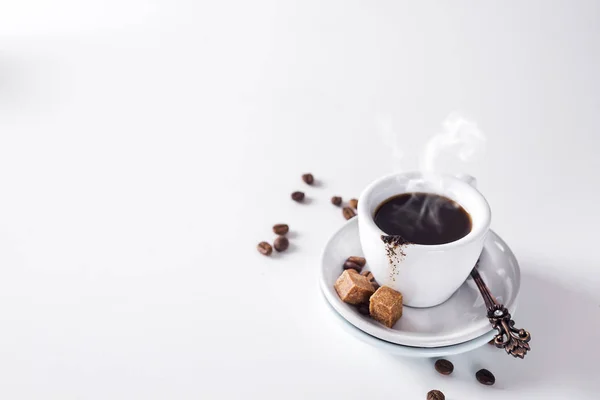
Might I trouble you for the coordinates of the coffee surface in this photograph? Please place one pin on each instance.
(423, 218)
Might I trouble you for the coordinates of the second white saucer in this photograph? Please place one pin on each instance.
(460, 319)
(408, 351)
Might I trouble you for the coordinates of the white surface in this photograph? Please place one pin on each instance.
(407, 351)
(146, 147)
(461, 318)
(410, 270)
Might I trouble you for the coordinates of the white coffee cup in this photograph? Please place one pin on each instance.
(426, 275)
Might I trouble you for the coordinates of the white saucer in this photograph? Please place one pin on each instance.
(460, 319)
(408, 351)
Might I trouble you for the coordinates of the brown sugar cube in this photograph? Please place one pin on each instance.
(353, 288)
(385, 306)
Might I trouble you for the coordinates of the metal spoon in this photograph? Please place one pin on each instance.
(514, 341)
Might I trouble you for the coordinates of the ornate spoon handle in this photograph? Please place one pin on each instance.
(514, 341)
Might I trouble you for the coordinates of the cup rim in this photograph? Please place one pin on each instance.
(474, 234)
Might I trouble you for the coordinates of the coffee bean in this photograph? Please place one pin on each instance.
(444, 367)
(308, 179)
(281, 229)
(336, 200)
(371, 279)
(363, 309)
(348, 213)
(351, 265)
(435, 395)
(353, 203)
(368, 275)
(297, 196)
(492, 342)
(265, 248)
(485, 377)
(281, 243)
(358, 260)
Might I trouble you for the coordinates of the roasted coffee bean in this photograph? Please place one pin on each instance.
(336, 200)
(485, 377)
(281, 229)
(371, 278)
(358, 260)
(444, 367)
(351, 265)
(363, 309)
(281, 243)
(353, 203)
(308, 179)
(297, 196)
(435, 395)
(368, 275)
(265, 248)
(348, 213)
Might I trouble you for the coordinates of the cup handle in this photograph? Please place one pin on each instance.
(468, 179)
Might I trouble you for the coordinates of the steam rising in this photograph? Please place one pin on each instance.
(460, 137)
(391, 140)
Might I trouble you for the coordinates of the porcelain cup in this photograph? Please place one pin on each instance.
(426, 275)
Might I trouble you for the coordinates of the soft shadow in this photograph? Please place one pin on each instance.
(564, 326)
(318, 184)
(17, 88)
(292, 248)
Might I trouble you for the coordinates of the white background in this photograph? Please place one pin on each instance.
(146, 147)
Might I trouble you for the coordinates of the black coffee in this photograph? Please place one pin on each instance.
(423, 218)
